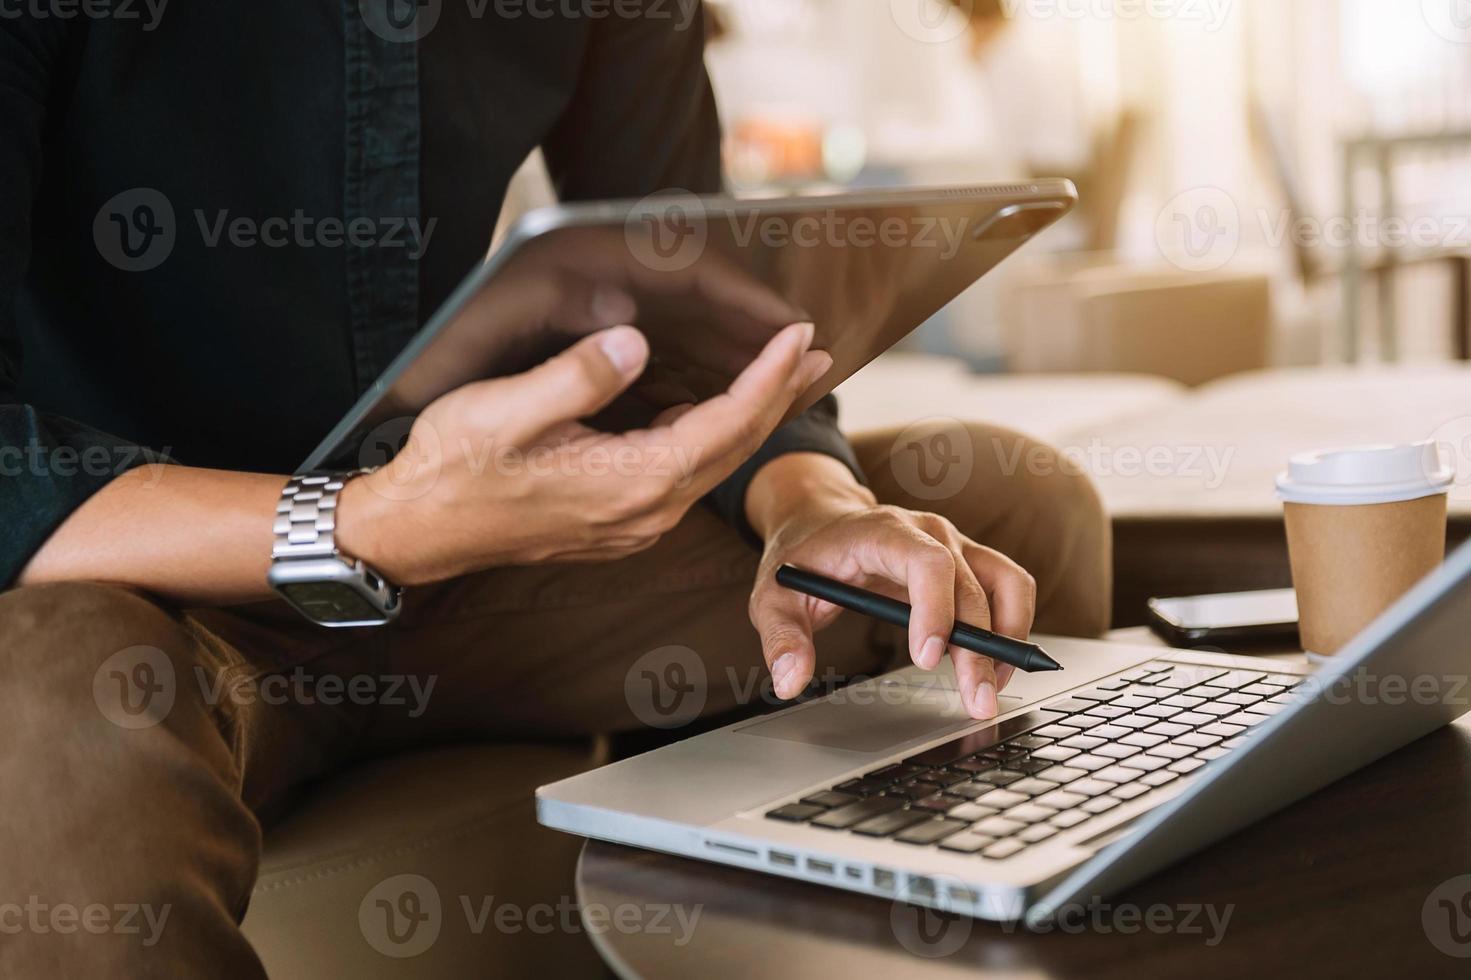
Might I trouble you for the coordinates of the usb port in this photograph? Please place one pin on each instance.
(820, 867)
(785, 860)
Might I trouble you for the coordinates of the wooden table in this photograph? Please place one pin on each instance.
(1334, 886)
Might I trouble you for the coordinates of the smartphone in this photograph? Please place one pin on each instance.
(1238, 617)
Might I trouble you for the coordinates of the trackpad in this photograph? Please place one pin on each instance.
(868, 719)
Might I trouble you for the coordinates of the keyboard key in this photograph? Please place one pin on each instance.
(1061, 774)
(1057, 731)
(1245, 700)
(1224, 731)
(1211, 755)
(1186, 766)
(912, 791)
(1232, 743)
(1003, 849)
(1096, 694)
(1116, 750)
(1117, 684)
(1089, 763)
(1107, 711)
(1182, 701)
(1209, 691)
(1129, 791)
(1261, 690)
(930, 831)
(1071, 706)
(1109, 733)
(829, 799)
(1069, 819)
(940, 803)
(1280, 680)
(976, 765)
(1000, 777)
(1150, 691)
(1055, 753)
(846, 816)
(1029, 813)
(1029, 766)
(1031, 787)
(1161, 711)
(1001, 799)
(971, 791)
(1060, 799)
(1182, 677)
(1246, 719)
(966, 843)
(1136, 723)
(1219, 709)
(1005, 753)
(1099, 804)
(1118, 774)
(1168, 729)
(982, 740)
(1172, 751)
(1160, 778)
(998, 827)
(1193, 718)
(1196, 740)
(795, 812)
(971, 812)
(1142, 740)
(889, 823)
(1236, 678)
(1037, 833)
(1090, 787)
(1148, 763)
(1081, 742)
(1030, 742)
(896, 772)
(1132, 701)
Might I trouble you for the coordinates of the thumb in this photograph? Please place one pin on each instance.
(786, 639)
(584, 379)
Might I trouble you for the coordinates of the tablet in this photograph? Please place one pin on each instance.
(709, 280)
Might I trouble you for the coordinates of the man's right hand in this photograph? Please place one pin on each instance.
(503, 472)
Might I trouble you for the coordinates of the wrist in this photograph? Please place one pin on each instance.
(365, 522)
(801, 487)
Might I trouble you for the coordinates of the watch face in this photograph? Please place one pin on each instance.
(331, 602)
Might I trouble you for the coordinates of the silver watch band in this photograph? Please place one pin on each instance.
(306, 516)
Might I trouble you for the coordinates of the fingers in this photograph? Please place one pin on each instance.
(781, 618)
(925, 568)
(579, 382)
(737, 422)
(1013, 592)
(975, 675)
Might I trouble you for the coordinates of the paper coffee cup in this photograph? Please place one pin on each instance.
(1363, 526)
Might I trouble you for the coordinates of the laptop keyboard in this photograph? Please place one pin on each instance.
(1000, 790)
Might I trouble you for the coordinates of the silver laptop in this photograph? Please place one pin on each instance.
(1091, 779)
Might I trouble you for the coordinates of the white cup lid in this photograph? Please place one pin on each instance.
(1367, 475)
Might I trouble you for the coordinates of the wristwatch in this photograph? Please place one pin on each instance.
(309, 571)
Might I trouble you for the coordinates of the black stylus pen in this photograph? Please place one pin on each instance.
(1021, 655)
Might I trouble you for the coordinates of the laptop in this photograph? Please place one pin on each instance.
(1089, 780)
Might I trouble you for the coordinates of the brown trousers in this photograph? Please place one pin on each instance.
(132, 775)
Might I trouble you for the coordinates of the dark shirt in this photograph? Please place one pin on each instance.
(212, 223)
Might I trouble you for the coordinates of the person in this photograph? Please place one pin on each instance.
(203, 252)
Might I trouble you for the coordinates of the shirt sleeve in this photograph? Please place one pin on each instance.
(643, 120)
(49, 466)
